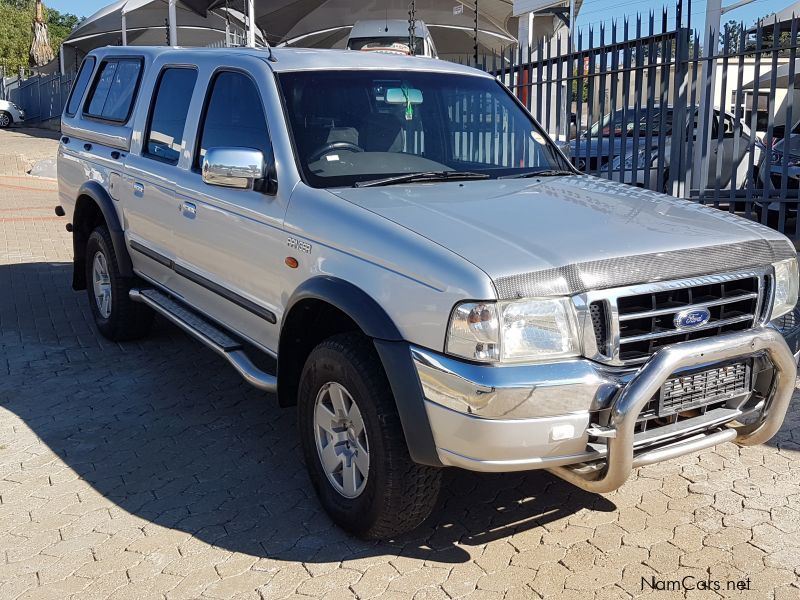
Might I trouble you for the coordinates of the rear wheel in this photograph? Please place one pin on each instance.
(117, 316)
(353, 442)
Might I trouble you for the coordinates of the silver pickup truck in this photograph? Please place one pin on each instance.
(438, 285)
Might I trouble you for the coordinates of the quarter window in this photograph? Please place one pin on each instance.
(234, 116)
(79, 87)
(168, 116)
(114, 89)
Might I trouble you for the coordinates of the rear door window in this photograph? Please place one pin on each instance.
(115, 89)
(79, 87)
(173, 95)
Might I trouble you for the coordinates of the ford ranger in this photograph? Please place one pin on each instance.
(439, 286)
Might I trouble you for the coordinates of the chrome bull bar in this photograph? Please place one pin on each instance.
(611, 472)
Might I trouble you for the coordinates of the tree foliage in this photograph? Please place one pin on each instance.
(16, 18)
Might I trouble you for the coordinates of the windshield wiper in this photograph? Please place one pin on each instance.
(541, 173)
(423, 176)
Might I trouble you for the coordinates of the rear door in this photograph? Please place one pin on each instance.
(151, 208)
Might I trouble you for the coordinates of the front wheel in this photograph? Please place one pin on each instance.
(5, 120)
(354, 446)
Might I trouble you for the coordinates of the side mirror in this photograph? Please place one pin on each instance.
(238, 168)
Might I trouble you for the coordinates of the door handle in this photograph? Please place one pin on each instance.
(188, 210)
(115, 155)
(65, 140)
(87, 147)
(138, 189)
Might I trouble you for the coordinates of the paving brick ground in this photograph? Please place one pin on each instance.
(20, 147)
(149, 470)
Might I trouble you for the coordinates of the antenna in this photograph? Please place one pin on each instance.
(476, 33)
(271, 57)
(386, 27)
(412, 26)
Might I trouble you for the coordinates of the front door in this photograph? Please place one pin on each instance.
(231, 244)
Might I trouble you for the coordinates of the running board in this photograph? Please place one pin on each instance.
(209, 334)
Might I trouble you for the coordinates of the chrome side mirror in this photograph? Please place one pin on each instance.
(233, 167)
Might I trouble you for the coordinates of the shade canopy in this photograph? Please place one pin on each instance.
(326, 23)
(782, 77)
(145, 22)
(312, 23)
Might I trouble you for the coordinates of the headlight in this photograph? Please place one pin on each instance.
(787, 283)
(640, 160)
(515, 331)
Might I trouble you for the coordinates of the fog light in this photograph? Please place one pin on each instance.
(562, 432)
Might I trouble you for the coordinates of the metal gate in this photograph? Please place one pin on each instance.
(41, 97)
(664, 109)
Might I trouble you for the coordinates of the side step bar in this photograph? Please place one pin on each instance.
(209, 334)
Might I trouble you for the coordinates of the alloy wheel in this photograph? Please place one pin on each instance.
(341, 440)
(101, 282)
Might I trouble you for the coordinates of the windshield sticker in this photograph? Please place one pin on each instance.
(332, 157)
(538, 137)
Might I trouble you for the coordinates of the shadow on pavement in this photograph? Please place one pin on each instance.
(36, 132)
(167, 431)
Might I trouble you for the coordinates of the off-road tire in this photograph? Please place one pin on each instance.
(399, 493)
(128, 320)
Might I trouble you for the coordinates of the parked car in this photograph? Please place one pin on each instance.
(618, 142)
(439, 286)
(10, 114)
(391, 37)
(772, 161)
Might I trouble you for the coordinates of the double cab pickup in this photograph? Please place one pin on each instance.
(438, 286)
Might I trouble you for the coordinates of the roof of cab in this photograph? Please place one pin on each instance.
(301, 59)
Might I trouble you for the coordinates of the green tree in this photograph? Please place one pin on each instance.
(16, 17)
(732, 32)
(15, 37)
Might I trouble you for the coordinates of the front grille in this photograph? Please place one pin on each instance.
(646, 321)
(642, 323)
(706, 397)
(690, 391)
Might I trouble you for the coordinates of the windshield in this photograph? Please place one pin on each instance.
(352, 126)
(623, 124)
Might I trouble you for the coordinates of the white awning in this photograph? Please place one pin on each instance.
(145, 22)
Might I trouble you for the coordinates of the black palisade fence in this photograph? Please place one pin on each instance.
(711, 118)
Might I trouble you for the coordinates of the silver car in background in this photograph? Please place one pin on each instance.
(10, 114)
(625, 146)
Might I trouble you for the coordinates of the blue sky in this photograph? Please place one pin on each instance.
(593, 12)
(597, 12)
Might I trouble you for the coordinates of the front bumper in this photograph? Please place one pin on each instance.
(520, 418)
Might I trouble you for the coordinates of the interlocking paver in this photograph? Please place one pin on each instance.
(149, 470)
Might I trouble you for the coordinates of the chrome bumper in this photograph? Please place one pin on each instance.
(466, 438)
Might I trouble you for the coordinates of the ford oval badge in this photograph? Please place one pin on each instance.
(690, 318)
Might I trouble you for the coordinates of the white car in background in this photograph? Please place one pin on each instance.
(391, 37)
(10, 113)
